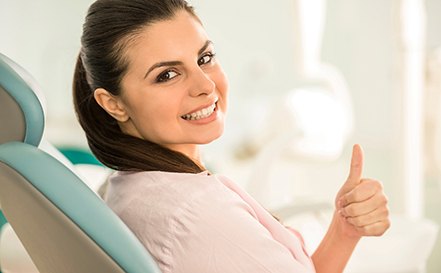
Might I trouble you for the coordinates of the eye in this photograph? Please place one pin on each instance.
(206, 58)
(166, 76)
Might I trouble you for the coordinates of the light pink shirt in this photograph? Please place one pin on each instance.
(200, 223)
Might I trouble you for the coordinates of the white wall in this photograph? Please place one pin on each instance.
(43, 36)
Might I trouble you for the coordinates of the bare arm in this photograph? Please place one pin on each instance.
(334, 250)
(361, 210)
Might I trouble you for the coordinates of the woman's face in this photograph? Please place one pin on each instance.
(174, 91)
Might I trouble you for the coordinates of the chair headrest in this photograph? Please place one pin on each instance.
(22, 114)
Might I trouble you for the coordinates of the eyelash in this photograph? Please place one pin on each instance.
(160, 78)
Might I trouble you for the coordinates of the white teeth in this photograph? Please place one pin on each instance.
(204, 113)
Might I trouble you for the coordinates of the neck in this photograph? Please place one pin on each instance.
(190, 150)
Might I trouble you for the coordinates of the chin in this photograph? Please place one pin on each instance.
(210, 138)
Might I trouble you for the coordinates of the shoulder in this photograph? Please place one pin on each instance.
(197, 223)
(148, 203)
(158, 191)
(165, 209)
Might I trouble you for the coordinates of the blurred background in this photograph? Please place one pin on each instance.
(308, 79)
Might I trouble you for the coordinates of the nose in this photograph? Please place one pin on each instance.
(202, 84)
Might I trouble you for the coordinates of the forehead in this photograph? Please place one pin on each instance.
(168, 40)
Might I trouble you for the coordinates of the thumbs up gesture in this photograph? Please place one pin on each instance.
(361, 204)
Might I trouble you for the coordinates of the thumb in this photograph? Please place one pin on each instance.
(356, 169)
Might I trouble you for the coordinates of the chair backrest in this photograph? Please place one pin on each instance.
(21, 111)
(62, 223)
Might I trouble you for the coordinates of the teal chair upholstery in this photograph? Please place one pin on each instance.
(64, 226)
(21, 110)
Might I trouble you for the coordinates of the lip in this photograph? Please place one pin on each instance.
(202, 107)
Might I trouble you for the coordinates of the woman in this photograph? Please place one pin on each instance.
(148, 90)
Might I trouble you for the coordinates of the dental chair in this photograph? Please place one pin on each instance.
(63, 225)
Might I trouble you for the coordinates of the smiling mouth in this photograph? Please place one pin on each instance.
(201, 114)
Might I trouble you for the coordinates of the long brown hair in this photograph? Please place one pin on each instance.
(109, 27)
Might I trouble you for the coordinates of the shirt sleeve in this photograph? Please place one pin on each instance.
(219, 232)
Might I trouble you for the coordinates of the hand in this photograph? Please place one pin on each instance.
(361, 204)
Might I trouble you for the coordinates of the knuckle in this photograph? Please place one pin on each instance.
(366, 230)
(372, 231)
(371, 187)
(345, 200)
(374, 183)
(386, 211)
(377, 229)
(379, 232)
(385, 199)
(381, 228)
(379, 185)
(350, 210)
(358, 221)
(356, 195)
(382, 201)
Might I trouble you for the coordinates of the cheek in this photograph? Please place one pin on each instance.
(154, 124)
(163, 116)
(146, 116)
(224, 87)
(221, 82)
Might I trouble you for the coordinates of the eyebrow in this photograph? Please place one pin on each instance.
(175, 63)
